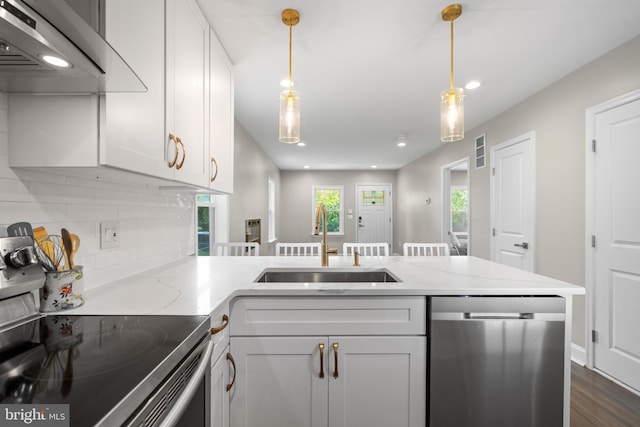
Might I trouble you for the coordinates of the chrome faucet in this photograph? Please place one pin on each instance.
(324, 248)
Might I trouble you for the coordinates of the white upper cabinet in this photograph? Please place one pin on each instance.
(221, 118)
(166, 132)
(161, 132)
(187, 78)
(134, 130)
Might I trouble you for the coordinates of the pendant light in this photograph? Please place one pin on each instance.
(289, 98)
(451, 100)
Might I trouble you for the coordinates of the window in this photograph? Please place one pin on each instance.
(373, 198)
(271, 210)
(332, 198)
(459, 210)
(205, 223)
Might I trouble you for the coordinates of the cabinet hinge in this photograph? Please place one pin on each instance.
(593, 241)
(493, 232)
(493, 171)
(594, 336)
(593, 145)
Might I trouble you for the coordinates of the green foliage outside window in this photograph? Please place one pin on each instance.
(459, 211)
(331, 200)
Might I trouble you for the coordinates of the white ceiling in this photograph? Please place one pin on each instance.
(370, 70)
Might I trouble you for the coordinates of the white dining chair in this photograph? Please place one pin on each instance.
(298, 249)
(366, 249)
(425, 249)
(236, 249)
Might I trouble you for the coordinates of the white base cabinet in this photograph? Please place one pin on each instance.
(285, 381)
(381, 382)
(291, 373)
(219, 392)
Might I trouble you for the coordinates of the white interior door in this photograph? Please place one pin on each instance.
(513, 202)
(373, 219)
(616, 255)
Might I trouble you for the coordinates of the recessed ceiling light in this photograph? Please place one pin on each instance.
(301, 144)
(306, 166)
(55, 61)
(473, 84)
(374, 166)
(285, 83)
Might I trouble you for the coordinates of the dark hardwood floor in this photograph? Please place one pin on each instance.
(599, 402)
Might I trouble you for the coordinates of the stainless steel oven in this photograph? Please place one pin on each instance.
(183, 398)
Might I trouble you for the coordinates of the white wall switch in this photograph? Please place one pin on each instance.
(109, 235)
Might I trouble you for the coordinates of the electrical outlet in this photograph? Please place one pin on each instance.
(109, 235)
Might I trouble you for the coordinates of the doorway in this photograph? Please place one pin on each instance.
(456, 196)
(211, 223)
(513, 202)
(374, 221)
(613, 238)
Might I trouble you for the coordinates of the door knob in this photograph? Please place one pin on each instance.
(523, 245)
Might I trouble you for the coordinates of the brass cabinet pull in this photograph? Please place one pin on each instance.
(233, 363)
(184, 153)
(335, 355)
(321, 345)
(175, 158)
(225, 323)
(214, 163)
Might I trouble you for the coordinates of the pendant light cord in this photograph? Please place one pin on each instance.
(290, 59)
(451, 72)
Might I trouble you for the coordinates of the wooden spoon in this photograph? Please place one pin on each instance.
(71, 245)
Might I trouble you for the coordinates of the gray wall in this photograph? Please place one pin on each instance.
(296, 209)
(252, 169)
(557, 115)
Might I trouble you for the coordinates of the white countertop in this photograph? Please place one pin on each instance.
(198, 285)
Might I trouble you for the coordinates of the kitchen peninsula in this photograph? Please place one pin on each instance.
(215, 285)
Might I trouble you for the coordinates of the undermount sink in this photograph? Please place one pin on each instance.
(324, 275)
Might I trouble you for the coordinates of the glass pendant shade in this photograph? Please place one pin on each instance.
(289, 117)
(452, 114)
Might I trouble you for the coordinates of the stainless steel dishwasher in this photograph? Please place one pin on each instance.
(496, 361)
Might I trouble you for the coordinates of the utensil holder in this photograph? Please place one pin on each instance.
(62, 290)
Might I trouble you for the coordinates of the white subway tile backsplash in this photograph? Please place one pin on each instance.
(4, 143)
(113, 196)
(59, 193)
(32, 212)
(86, 212)
(156, 226)
(13, 191)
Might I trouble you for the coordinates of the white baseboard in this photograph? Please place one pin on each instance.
(578, 354)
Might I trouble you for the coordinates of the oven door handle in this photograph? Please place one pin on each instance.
(187, 394)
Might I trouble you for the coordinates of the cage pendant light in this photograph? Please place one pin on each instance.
(452, 99)
(289, 98)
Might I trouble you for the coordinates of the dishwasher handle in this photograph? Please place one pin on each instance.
(497, 316)
(470, 316)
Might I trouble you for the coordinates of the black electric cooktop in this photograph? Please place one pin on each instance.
(93, 363)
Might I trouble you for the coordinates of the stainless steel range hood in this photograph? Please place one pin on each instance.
(32, 29)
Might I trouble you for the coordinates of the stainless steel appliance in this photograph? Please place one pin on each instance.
(496, 361)
(110, 370)
(32, 29)
(252, 230)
